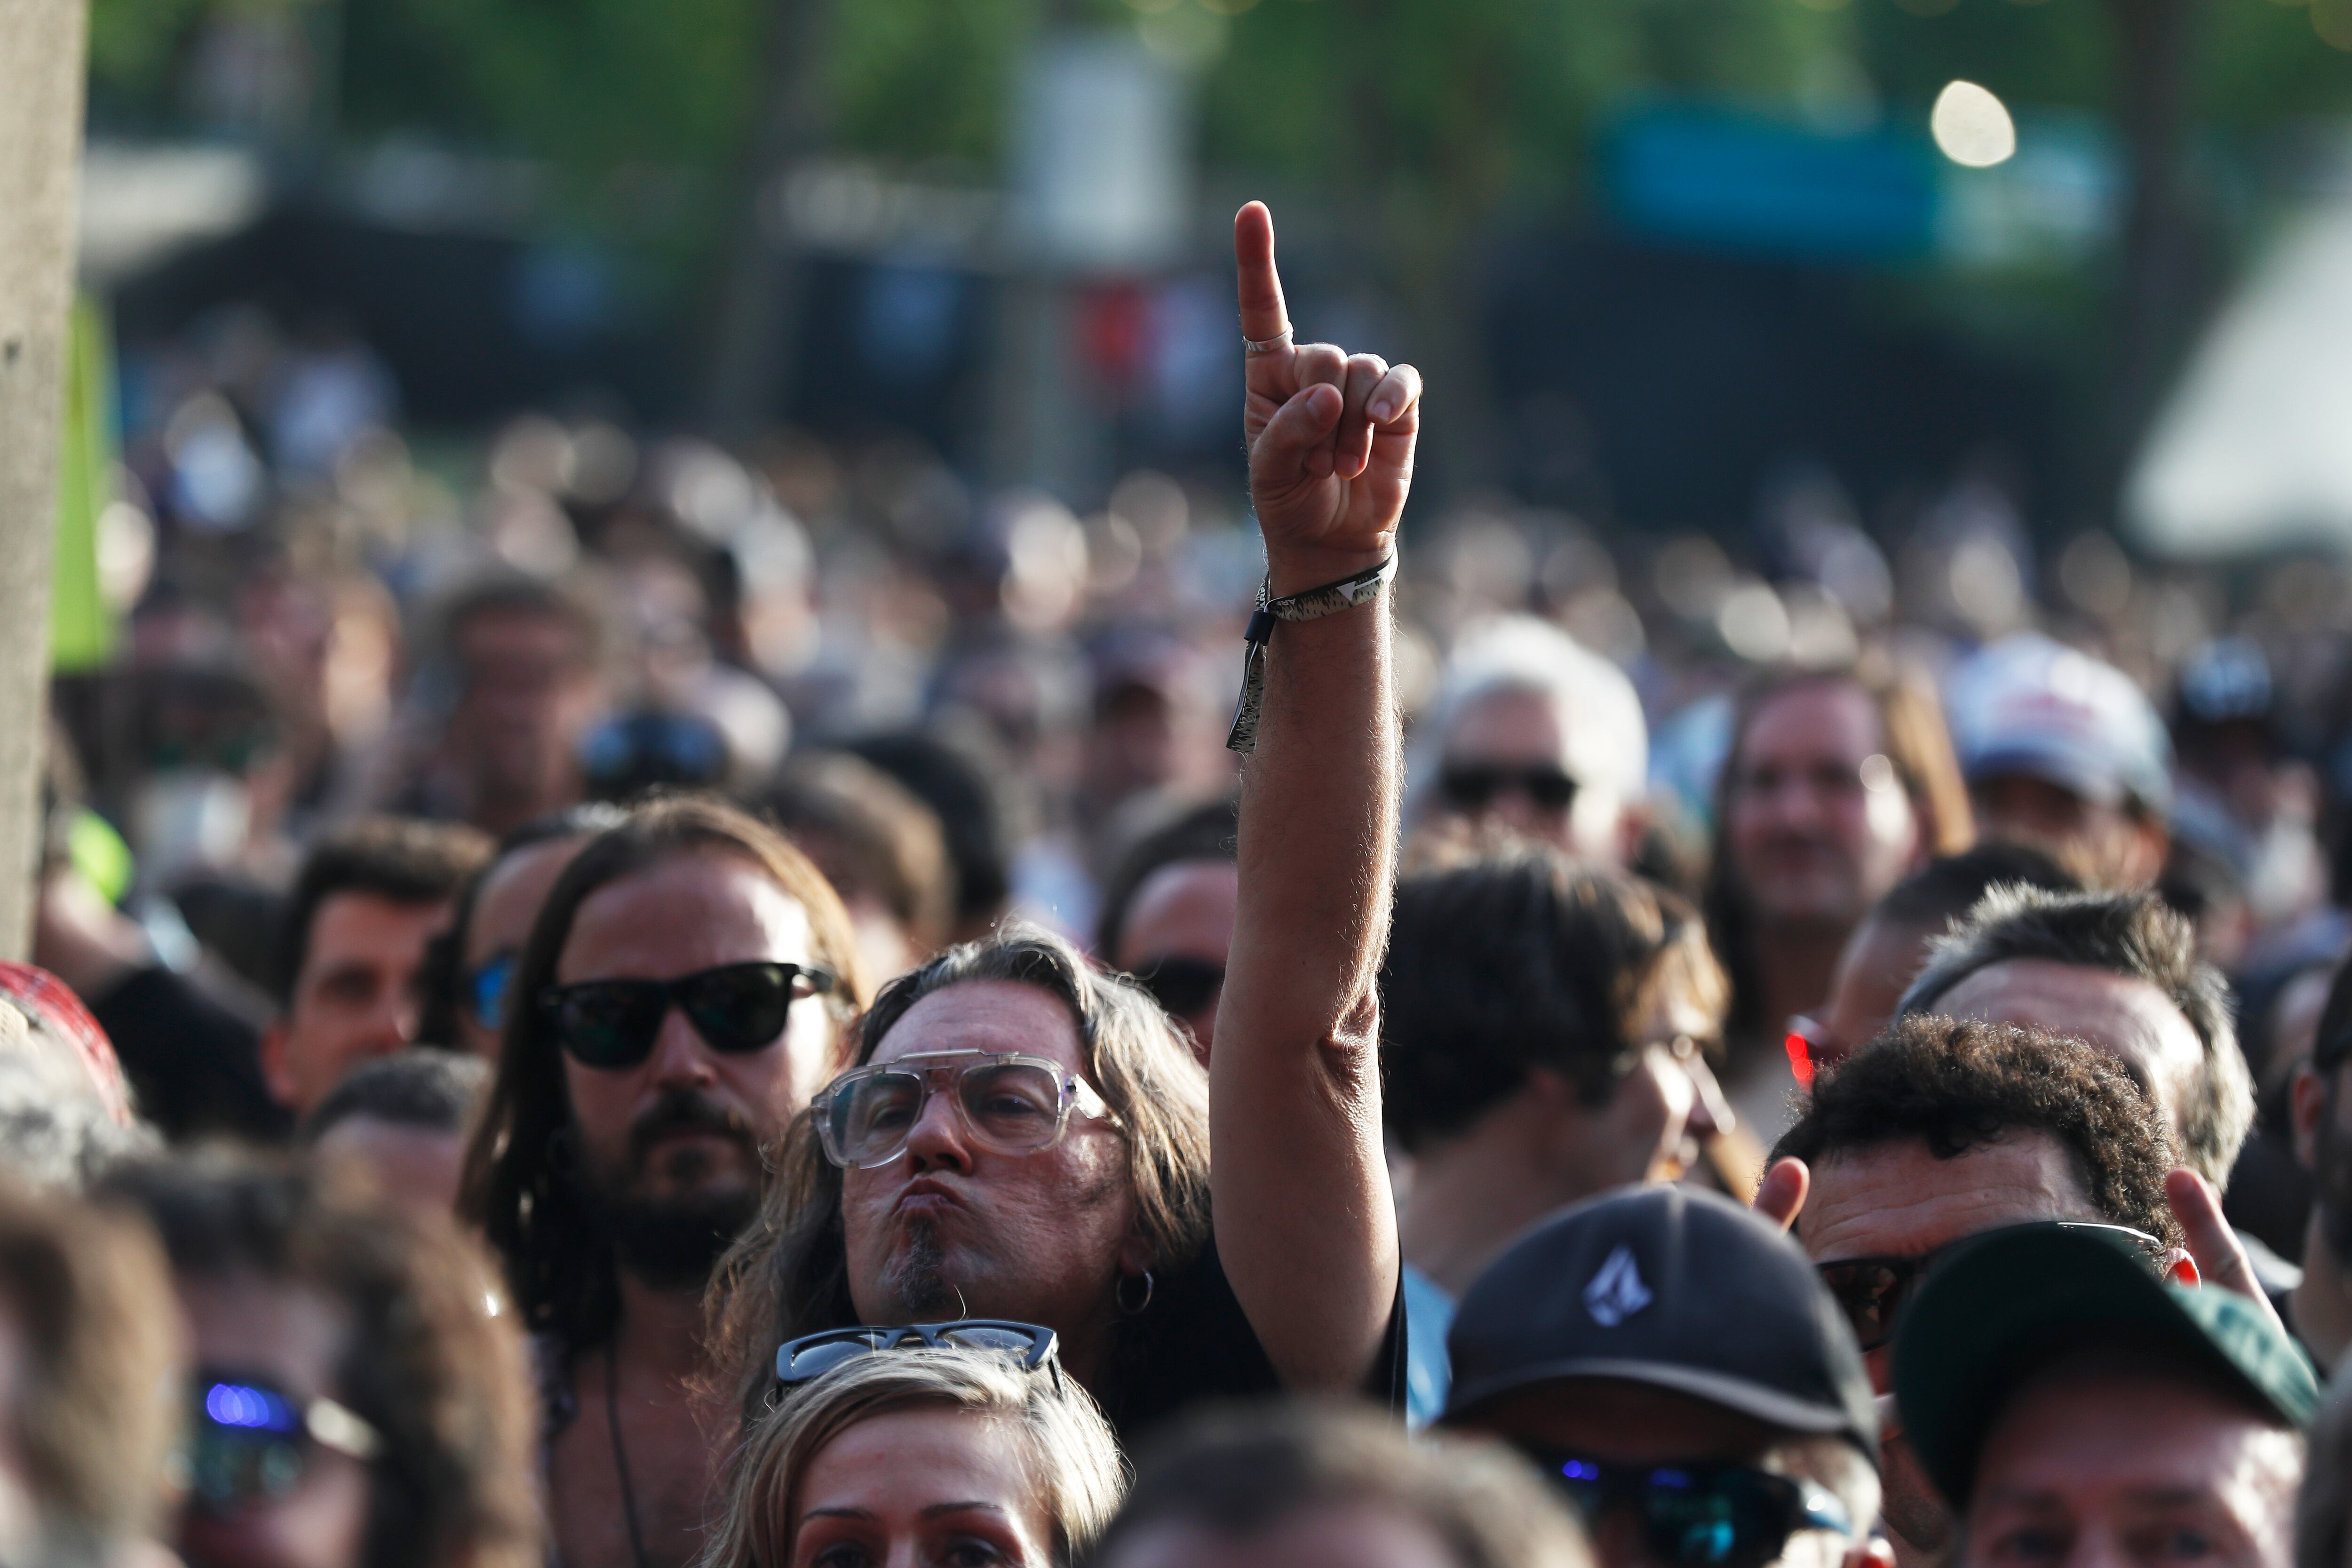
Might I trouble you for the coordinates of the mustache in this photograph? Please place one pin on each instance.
(684, 1109)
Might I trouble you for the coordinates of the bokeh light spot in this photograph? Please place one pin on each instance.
(1972, 127)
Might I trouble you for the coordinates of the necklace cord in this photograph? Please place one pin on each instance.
(621, 1453)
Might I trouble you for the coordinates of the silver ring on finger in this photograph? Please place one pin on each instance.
(1252, 347)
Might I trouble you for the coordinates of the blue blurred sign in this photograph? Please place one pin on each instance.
(1732, 180)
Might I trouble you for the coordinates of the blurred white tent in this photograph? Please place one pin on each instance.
(2253, 451)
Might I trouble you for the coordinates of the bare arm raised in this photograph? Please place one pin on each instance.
(1304, 1222)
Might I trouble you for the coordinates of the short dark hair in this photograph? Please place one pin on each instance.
(1208, 833)
(421, 1087)
(400, 859)
(2132, 935)
(1242, 1471)
(429, 1363)
(1523, 960)
(1957, 1084)
(963, 775)
(87, 1291)
(864, 827)
(1947, 888)
(561, 1267)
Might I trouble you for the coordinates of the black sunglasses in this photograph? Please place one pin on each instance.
(1472, 787)
(810, 1356)
(250, 1442)
(1697, 1515)
(1182, 986)
(1871, 1291)
(737, 1009)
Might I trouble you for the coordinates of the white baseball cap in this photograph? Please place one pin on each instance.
(2030, 705)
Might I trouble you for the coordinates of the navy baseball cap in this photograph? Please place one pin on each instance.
(1680, 1289)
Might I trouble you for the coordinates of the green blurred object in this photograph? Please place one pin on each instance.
(81, 632)
(98, 855)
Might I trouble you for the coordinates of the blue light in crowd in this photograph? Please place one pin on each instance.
(235, 1404)
(1578, 1470)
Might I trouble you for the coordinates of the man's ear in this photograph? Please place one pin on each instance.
(1134, 1254)
(275, 1075)
(2306, 1103)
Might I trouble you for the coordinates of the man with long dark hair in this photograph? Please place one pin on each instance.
(679, 999)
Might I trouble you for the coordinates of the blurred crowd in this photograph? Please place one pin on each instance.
(541, 943)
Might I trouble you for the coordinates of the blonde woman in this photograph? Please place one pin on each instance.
(958, 1444)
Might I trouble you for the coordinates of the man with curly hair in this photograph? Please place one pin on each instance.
(1944, 1129)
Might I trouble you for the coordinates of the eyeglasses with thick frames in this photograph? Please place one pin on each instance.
(1871, 1291)
(1010, 1103)
(737, 1009)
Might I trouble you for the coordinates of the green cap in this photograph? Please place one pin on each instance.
(2000, 1305)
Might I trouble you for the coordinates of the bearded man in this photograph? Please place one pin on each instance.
(680, 997)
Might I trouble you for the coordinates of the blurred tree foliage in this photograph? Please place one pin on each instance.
(1482, 97)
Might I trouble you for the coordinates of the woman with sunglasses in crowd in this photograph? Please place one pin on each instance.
(955, 1444)
(355, 1398)
(1023, 1137)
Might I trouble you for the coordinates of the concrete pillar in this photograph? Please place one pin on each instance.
(41, 56)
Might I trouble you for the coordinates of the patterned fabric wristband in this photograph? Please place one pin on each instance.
(1311, 605)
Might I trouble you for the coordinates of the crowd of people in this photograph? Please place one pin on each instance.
(749, 1013)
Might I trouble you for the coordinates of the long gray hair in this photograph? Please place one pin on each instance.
(788, 1273)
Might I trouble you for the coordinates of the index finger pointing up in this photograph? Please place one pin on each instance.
(1262, 315)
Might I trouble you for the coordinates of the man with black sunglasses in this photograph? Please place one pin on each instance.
(679, 999)
(1944, 1129)
(1168, 915)
(1533, 734)
(1677, 1370)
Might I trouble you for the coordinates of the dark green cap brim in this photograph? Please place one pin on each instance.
(1998, 1307)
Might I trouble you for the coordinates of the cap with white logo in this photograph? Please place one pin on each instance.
(2027, 705)
(1680, 1289)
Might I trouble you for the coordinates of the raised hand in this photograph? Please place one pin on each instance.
(1331, 435)
(2220, 1257)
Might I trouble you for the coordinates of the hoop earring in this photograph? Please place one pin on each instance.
(1118, 1293)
